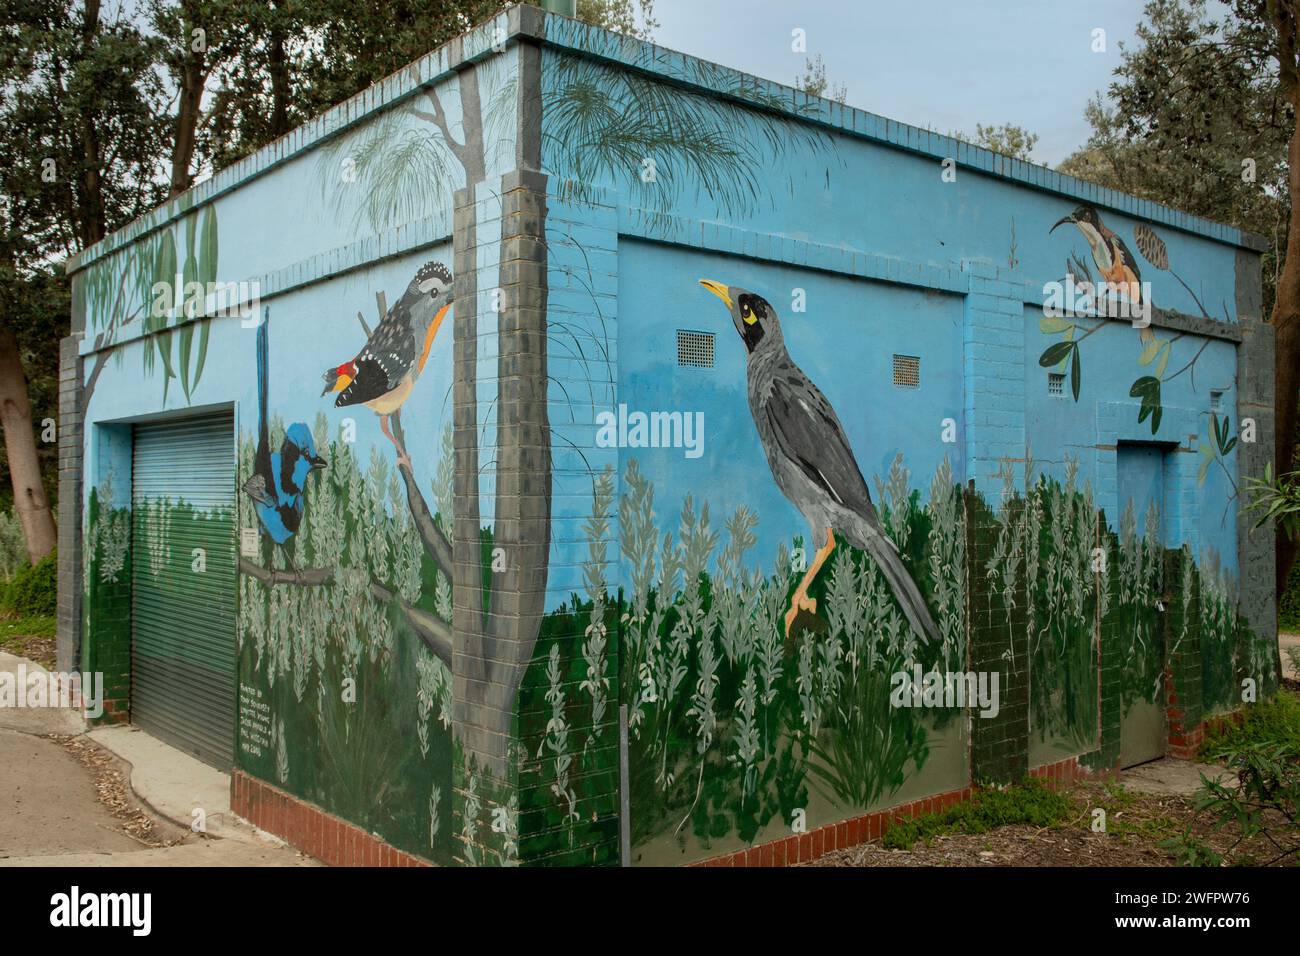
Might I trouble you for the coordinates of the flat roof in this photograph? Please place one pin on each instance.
(562, 33)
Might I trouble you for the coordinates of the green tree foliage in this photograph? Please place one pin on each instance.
(1007, 139)
(814, 81)
(1191, 103)
(1202, 116)
(33, 589)
(104, 111)
(634, 18)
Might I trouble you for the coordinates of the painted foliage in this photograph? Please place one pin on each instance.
(345, 613)
(774, 596)
(756, 678)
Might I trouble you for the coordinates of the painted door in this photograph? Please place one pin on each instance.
(1141, 482)
(183, 585)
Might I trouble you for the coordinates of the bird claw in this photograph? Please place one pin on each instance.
(801, 602)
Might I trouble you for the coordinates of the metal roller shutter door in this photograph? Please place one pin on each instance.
(183, 619)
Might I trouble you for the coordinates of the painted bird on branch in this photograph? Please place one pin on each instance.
(383, 374)
(811, 460)
(1117, 265)
(279, 479)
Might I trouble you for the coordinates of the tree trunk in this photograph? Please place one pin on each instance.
(30, 503)
(193, 80)
(279, 68)
(91, 214)
(495, 645)
(1286, 307)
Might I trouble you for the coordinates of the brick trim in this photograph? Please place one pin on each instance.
(804, 847)
(1065, 772)
(310, 829)
(1184, 742)
(1185, 738)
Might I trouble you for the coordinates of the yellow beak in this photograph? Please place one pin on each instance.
(718, 289)
(342, 382)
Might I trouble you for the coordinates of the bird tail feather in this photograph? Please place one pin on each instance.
(904, 588)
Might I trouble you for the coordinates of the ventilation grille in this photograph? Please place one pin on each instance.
(1216, 401)
(1055, 383)
(907, 371)
(695, 349)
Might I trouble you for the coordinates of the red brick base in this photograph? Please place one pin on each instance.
(1184, 744)
(1068, 771)
(1184, 741)
(309, 828)
(116, 711)
(803, 847)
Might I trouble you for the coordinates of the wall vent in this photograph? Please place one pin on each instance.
(1216, 401)
(1055, 383)
(694, 349)
(907, 371)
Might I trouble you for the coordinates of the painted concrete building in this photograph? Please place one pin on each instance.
(569, 451)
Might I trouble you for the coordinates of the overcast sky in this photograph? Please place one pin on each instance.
(942, 64)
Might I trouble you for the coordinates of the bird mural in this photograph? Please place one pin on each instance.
(1117, 265)
(280, 478)
(383, 374)
(811, 460)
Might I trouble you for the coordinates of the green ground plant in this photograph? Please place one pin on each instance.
(32, 591)
(1030, 801)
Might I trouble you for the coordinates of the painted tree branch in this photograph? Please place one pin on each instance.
(433, 630)
(309, 578)
(435, 542)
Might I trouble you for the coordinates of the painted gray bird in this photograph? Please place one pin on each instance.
(810, 458)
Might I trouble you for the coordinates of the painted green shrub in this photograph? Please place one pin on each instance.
(360, 709)
(734, 729)
(731, 724)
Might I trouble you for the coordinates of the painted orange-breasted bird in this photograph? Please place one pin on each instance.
(383, 374)
(1117, 265)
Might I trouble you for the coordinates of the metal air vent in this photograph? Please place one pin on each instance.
(695, 349)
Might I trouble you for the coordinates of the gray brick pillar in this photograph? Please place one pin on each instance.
(1256, 556)
(70, 432)
(994, 431)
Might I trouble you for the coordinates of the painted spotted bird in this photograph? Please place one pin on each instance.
(279, 479)
(810, 458)
(383, 374)
(1113, 259)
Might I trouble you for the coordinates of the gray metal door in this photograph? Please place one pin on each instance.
(1141, 480)
(183, 585)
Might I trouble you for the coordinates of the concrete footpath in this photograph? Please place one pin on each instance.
(58, 810)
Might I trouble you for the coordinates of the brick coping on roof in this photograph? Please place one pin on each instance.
(532, 23)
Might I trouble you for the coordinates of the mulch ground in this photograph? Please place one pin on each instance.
(1135, 823)
(42, 650)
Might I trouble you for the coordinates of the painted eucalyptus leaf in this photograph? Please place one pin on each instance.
(1056, 354)
(208, 246)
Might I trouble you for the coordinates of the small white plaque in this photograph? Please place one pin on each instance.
(248, 543)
